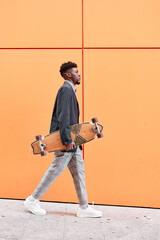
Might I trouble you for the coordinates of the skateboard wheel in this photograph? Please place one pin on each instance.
(100, 135)
(43, 153)
(38, 137)
(94, 120)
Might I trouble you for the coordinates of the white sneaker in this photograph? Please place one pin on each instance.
(34, 207)
(89, 212)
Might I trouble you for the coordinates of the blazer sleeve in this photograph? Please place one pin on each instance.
(64, 104)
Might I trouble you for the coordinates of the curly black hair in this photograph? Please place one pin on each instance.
(66, 66)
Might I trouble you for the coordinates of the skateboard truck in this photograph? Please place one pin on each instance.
(96, 128)
(42, 146)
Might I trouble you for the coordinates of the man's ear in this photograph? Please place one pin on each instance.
(68, 74)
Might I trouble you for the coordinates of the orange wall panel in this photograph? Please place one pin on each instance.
(121, 23)
(40, 23)
(122, 90)
(30, 80)
(120, 87)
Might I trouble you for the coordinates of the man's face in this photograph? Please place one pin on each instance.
(74, 75)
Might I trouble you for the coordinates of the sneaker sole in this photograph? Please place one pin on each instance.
(35, 213)
(87, 216)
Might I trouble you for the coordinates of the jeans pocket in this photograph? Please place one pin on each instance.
(59, 154)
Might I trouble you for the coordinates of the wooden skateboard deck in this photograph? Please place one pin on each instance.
(80, 133)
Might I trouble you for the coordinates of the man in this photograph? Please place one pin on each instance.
(65, 113)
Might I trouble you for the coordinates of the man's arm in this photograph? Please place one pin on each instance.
(64, 101)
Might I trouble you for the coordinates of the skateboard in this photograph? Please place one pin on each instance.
(80, 133)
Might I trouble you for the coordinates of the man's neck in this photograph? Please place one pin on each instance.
(70, 81)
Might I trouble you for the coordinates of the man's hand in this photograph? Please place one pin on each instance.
(70, 146)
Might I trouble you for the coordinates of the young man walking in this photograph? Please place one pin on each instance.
(65, 113)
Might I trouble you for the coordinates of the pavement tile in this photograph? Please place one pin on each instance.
(83, 228)
(42, 227)
(12, 220)
(126, 223)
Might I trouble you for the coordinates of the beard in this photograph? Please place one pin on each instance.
(78, 82)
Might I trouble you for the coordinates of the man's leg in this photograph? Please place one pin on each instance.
(76, 167)
(58, 165)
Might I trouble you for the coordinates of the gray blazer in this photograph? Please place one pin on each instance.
(65, 113)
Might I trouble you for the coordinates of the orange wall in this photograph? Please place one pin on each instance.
(119, 86)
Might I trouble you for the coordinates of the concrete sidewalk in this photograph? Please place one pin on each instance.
(61, 223)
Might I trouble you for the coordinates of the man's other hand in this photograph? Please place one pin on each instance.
(70, 146)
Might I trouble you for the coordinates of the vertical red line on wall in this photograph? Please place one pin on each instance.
(82, 65)
(82, 69)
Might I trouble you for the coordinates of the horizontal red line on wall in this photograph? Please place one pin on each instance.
(80, 48)
(59, 48)
(121, 48)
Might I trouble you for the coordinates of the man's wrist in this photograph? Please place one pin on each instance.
(70, 146)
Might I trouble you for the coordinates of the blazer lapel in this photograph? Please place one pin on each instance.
(66, 83)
